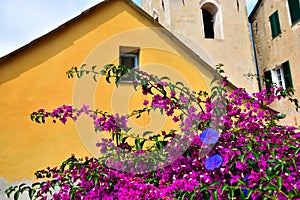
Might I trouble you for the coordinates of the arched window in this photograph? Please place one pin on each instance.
(212, 19)
(208, 22)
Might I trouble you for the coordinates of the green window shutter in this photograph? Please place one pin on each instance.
(275, 24)
(294, 7)
(268, 79)
(287, 74)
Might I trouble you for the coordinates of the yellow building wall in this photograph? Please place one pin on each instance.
(35, 78)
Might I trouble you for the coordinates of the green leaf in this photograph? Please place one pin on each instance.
(37, 119)
(242, 194)
(297, 151)
(147, 133)
(242, 158)
(137, 143)
(31, 193)
(183, 196)
(103, 174)
(93, 68)
(294, 162)
(96, 180)
(80, 74)
(107, 79)
(17, 195)
(179, 83)
(72, 196)
(159, 145)
(142, 143)
(204, 188)
(214, 80)
(292, 146)
(191, 195)
(95, 78)
(124, 139)
(224, 187)
(279, 181)
(255, 154)
(165, 78)
(215, 195)
(252, 164)
(215, 183)
(82, 66)
(250, 191)
(269, 171)
(206, 195)
(241, 182)
(270, 187)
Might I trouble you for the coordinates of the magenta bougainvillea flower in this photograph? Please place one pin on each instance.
(252, 157)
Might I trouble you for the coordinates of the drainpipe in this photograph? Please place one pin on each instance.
(255, 58)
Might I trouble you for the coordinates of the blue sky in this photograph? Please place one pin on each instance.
(22, 21)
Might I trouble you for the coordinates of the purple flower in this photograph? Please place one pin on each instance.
(183, 99)
(245, 191)
(213, 162)
(146, 102)
(175, 119)
(209, 136)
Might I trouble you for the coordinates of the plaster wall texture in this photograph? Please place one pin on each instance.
(34, 77)
(232, 43)
(272, 52)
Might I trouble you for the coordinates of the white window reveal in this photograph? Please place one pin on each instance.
(280, 75)
(211, 14)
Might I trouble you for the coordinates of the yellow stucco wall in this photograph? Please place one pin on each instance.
(35, 78)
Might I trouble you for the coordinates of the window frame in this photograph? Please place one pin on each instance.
(284, 74)
(205, 25)
(276, 78)
(215, 9)
(129, 52)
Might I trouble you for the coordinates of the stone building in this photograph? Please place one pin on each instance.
(218, 27)
(276, 33)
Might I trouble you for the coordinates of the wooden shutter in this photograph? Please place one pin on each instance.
(294, 6)
(268, 79)
(275, 24)
(287, 74)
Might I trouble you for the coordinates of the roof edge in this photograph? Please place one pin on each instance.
(254, 10)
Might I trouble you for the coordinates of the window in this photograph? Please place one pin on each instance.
(208, 23)
(287, 76)
(212, 19)
(129, 57)
(275, 25)
(155, 15)
(281, 76)
(294, 7)
(268, 79)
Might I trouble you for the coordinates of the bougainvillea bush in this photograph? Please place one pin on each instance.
(224, 145)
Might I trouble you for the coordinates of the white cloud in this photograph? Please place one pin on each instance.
(23, 21)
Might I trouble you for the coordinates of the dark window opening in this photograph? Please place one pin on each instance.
(129, 57)
(208, 23)
(268, 80)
